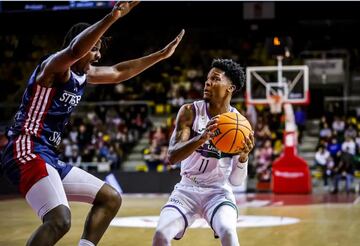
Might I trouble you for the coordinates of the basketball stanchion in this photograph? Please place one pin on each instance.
(290, 173)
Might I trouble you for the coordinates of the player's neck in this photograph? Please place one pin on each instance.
(218, 108)
(77, 70)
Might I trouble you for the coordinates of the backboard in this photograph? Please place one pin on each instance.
(291, 83)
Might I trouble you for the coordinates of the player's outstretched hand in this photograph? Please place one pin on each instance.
(210, 129)
(249, 144)
(122, 8)
(170, 48)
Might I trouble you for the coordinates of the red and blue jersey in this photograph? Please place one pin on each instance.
(44, 112)
(37, 129)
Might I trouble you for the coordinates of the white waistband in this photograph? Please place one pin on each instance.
(189, 182)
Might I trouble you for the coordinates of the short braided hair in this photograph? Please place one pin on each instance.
(232, 70)
(76, 30)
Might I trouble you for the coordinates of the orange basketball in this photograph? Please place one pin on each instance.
(231, 131)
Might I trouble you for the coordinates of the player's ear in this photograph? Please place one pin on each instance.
(232, 88)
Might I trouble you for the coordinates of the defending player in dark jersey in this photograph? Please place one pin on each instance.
(53, 91)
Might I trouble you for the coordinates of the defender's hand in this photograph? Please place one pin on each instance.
(249, 144)
(170, 48)
(122, 8)
(210, 128)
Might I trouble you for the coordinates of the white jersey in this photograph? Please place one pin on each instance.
(206, 166)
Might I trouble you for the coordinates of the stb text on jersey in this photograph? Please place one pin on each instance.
(70, 98)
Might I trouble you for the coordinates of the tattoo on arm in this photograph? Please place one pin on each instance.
(182, 126)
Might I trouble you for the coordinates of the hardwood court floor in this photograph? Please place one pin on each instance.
(330, 222)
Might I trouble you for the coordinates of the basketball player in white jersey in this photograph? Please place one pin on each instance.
(204, 190)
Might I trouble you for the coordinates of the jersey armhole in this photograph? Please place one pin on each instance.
(193, 108)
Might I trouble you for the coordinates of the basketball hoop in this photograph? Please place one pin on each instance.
(275, 102)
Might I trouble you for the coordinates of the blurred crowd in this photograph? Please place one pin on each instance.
(108, 135)
(338, 151)
(105, 135)
(101, 135)
(175, 80)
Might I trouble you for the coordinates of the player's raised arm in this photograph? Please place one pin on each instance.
(128, 69)
(181, 146)
(60, 62)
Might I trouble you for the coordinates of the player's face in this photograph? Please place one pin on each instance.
(90, 58)
(217, 85)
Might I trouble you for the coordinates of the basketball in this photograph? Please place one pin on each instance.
(231, 131)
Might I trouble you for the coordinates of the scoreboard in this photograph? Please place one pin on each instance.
(25, 6)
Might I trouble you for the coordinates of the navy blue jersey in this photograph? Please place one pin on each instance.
(44, 112)
(37, 129)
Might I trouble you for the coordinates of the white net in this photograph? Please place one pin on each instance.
(275, 102)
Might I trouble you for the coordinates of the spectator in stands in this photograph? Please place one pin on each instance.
(121, 134)
(139, 122)
(338, 125)
(325, 132)
(75, 158)
(334, 147)
(83, 137)
(300, 120)
(349, 146)
(344, 170)
(323, 121)
(73, 135)
(177, 99)
(113, 158)
(350, 132)
(159, 136)
(322, 158)
(262, 132)
(67, 146)
(152, 156)
(351, 120)
(263, 159)
(357, 142)
(103, 152)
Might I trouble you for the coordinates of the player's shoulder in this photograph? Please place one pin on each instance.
(234, 110)
(46, 59)
(194, 106)
(186, 113)
(186, 107)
